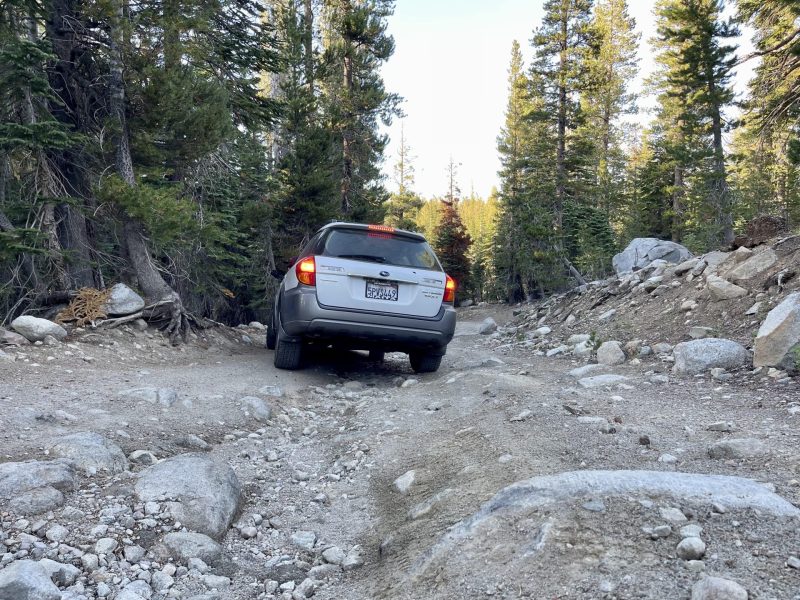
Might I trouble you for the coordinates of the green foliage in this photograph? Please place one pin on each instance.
(451, 242)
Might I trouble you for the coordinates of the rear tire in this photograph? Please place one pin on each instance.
(272, 334)
(377, 355)
(424, 362)
(288, 353)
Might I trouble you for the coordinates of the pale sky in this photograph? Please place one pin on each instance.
(450, 65)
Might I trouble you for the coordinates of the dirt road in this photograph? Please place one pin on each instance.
(325, 464)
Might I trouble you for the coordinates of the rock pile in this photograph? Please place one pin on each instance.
(705, 310)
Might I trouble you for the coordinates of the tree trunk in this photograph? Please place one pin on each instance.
(562, 125)
(677, 203)
(720, 190)
(308, 42)
(166, 305)
(347, 151)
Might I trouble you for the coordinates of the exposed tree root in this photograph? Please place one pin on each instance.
(170, 316)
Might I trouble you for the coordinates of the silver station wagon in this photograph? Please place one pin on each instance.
(365, 287)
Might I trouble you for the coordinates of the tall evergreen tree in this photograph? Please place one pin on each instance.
(611, 69)
(695, 84)
(404, 204)
(562, 44)
(356, 46)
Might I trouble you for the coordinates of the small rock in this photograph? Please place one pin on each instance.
(607, 380)
(403, 483)
(256, 408)
(304, 540)
(106, 546)
(737, 448)
(691, 548)
(334, 555)
(610, 353)
(717, 588)
(691, 530)
(488, 326)
(672, 515)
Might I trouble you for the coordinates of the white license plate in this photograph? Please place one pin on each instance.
(381, 290)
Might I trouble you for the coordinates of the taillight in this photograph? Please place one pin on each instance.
(306, 270)
(449, 289)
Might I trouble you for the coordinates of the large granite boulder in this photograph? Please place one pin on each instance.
(90, 452)
(699, 356)
(123, 301)
(205, 494)
(35, 329)
(642, 251)
(778, 340)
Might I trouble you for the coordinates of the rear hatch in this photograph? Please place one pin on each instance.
(379, 270)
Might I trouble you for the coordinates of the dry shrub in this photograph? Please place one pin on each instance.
(86, 307)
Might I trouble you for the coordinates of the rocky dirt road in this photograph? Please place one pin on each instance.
(356, 480)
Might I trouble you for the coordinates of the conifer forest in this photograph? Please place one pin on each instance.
(190, 148)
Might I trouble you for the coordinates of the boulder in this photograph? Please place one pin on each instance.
(9, 338)
(27, 580)
(60, 573)
(752, 267)
(206, 494)
(721, 289)
(37, 501)
(643, 251)
(122, 301)
(698, 332)
(698, 356)
(713, 260)
(184, 545)
(687, 266)
(717, 588)
(34, 487)
(489, 325)
(737, 448)
(522, 513)
(91, 452)
(35, 329)
(256, 408)
(778, 340)
(610, 353)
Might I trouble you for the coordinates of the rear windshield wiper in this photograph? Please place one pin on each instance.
(370, 257)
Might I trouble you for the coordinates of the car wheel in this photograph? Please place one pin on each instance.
(424, 363)
(377, 355)
(272, 334)
(288, 353)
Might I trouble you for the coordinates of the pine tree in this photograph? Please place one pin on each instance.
(452, 242)
(767, 147)
(695, 86)
(562, 45)
(356, 45)
(404, 204)
(611, 68)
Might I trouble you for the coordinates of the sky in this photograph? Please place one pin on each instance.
(451, 65)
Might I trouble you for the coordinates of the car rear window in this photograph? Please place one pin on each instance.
(380, 247)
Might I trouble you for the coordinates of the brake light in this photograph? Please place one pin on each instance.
(449, 289)
(383, 228)
(306, 271)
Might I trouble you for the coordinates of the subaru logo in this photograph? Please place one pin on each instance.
(384, 273)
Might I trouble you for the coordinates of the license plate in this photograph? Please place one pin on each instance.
(381, 290)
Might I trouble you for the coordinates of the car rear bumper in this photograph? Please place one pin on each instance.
(303, 317)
